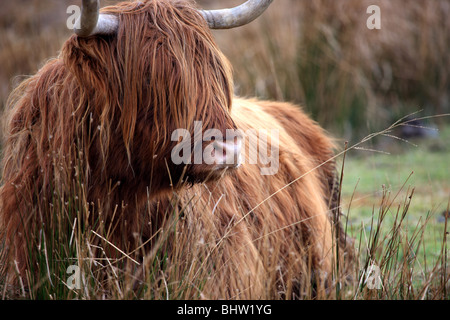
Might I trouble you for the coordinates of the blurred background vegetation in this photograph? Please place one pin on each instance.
(351, 79)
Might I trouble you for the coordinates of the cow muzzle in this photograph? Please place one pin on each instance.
(227, 154)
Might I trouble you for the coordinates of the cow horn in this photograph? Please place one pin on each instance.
(237, 16)
(91, 22)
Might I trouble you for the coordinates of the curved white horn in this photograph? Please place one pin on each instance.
(237, 16)
(92, 23)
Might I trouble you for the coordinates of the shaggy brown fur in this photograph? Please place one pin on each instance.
(95, 123)
(273, 236)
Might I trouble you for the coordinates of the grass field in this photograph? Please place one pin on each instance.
(395, 196)
(423, 167)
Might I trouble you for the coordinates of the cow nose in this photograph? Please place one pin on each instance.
(228, 154)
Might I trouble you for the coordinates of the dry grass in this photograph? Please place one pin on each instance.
(181, 260)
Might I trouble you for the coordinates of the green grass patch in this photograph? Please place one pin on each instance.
(384, 182)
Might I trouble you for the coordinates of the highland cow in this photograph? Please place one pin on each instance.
(91, 133)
